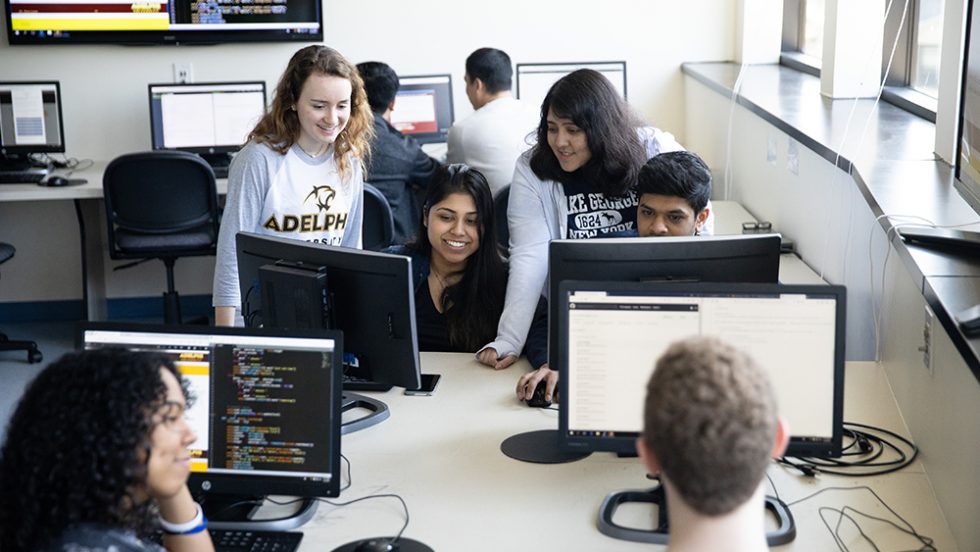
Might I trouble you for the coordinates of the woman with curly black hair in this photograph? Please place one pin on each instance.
(96, 458)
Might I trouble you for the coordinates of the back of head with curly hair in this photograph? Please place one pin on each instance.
(280, 128)
(710, 417)
(77, 446)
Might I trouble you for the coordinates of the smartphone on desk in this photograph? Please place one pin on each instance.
(429, 383)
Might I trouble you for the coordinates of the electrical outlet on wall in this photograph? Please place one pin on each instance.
(927, 345)
(183, 72)
(793, 157)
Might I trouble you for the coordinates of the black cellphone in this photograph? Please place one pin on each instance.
(429, 383)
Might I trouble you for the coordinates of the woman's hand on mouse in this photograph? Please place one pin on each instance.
(529, 381)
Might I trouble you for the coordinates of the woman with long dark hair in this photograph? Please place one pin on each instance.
(301, 173)
(96, 458)
(460, 276)
(577, 182)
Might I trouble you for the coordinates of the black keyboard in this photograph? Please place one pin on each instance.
(354, 383)
(221, 171)
(22, 177)
(254, 541)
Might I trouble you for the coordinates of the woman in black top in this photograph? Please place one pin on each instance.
(460, 276)
(96, 458)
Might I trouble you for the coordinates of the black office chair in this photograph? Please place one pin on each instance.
(500, 215)
(378, 227)
(161, 205)
(6, 344)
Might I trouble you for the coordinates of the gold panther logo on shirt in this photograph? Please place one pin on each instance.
(323, 196)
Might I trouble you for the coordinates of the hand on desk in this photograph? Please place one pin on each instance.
(489, 357)
(527, 383)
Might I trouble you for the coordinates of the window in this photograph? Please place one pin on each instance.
(812, 39)
(803, 23)
(912, 81)
(913, 28)
(927, 47)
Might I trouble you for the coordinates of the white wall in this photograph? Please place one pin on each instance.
(105, 86)
(831, 231)
(106, 108)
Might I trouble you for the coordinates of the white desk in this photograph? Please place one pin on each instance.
(729, 216)
(441, 454)
(91, 225)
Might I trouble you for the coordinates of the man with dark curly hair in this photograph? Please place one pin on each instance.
(96, 458)
(710, 428)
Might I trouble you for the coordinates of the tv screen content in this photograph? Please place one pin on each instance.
(204, 118)
(266, 404)
(162, 22)
(30, 118)
(424, 107)
(612, 334)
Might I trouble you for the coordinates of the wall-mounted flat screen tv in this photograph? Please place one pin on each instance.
(162, 21)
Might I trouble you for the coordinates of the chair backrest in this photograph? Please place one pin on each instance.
(6, 252)
(500, 214)
(379, 223)
(159, 192)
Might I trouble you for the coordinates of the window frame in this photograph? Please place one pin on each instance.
(898, 89)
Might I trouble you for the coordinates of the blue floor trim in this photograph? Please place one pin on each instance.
(41, 311)
(147, 307)
(127, 307)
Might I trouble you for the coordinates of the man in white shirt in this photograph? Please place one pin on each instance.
(491, 139)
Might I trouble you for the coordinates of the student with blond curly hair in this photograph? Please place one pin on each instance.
(301, 173)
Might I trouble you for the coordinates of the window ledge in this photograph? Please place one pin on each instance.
(894, 169)
(801, 62)
(911, 100)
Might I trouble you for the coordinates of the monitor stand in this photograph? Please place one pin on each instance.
(378, 412)
(786, 532)
(539, 447)
(234, 512)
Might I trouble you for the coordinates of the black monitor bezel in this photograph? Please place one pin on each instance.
(40, 148)
(203, 149)
(175, 37)
(757, 263)
(405, 369)
(242, 484)
(584, 64)
(626, 444)
(438, 136)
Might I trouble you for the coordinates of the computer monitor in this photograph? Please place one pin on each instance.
(535, 79)
(210, 119)
(369, 296)
(612, 333)
(737, 258)
(424, 107)
(30, 122)
(266, 409)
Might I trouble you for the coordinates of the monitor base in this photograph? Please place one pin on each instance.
(349, 401)
(402, 545)
(234, 512)
(539, 447)
(786, 532)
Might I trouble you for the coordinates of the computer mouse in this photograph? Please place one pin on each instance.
(537, 400)
(376, 545)
(56, 181)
